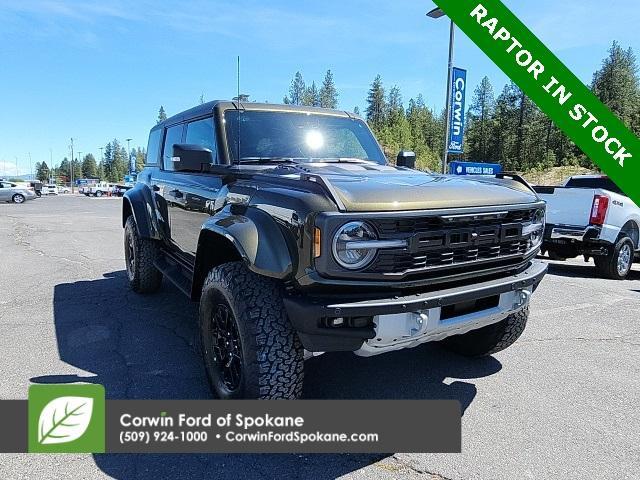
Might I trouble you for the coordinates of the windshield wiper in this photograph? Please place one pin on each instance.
(342, 160)
(264, 160)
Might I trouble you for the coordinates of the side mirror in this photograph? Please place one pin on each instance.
(407, 159)
(191, 158)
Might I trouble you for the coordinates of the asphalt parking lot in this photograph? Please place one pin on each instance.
(560, 403)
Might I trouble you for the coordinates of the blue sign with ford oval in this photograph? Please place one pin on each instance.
(474, 168)
(456, 122)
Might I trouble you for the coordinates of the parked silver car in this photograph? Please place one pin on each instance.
(11, 192)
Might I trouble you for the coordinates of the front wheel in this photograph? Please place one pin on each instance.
(249, 347)
(617, 264)
(490, 339)
(18, 198)
(98, 193)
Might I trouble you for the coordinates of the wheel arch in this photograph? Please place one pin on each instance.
(253, 237)
(632, 230)
(137, 202)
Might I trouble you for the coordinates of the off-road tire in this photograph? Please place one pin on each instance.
(98, 193)
(143, 276)
(272, 356)
(607, 266)
(18, 198)
(490, 339)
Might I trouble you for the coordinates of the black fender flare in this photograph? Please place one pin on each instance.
(256, 237)
(139, 203)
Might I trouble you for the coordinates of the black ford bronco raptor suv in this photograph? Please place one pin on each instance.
(296, 236)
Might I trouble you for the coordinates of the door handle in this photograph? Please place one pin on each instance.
(155, 188)
(176, 193)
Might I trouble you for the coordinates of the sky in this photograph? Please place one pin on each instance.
(96, 70)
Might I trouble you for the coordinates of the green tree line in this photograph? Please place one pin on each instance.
(508, 128)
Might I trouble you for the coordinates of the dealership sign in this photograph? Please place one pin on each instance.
(474, 168)
(456, 120)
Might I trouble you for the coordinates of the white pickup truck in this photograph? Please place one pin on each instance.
(589, 215)
(100, 189)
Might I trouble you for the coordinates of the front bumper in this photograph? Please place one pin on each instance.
(311, 316)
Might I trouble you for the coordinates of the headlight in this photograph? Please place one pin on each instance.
(348, 248)
(537, 228)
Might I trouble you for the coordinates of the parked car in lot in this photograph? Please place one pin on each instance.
(12, 192)
(63, 189)
(49, 189)
(100, 189)
(295, 235)
(589, 215)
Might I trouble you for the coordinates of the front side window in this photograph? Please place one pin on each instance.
(201, 133)
(153, 148)
(173, 136)
(261, 135)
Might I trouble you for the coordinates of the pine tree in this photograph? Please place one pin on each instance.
(64, 170)
(296, 90)
(162, 115)
(376, 104)
(311, 97)
(328, 92)
(89, 166)
(479, 121)
(107, 162)
(617, 85)
(42, 172)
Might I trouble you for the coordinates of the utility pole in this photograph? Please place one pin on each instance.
(80, 162)
(71, 165)
(17, 171)
(101, 158)
(30, 169)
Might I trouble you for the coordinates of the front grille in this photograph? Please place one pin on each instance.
(449, 244)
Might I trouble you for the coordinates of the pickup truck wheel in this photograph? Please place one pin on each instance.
(139, 254)
(249, 347)
(617, 264)
(98, 193)
(490, 339)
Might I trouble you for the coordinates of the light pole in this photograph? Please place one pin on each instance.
(437, 13)
(71, 166)
(129, 155)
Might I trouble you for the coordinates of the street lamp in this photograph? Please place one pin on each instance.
(437, 13)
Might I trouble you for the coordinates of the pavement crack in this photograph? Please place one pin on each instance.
(419, 471)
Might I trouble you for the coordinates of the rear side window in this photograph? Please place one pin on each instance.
(201, 133)
(153, 149)
(173, 136)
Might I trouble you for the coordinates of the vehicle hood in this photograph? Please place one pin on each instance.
(370, 187)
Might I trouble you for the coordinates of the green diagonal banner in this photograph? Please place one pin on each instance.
(556, 91)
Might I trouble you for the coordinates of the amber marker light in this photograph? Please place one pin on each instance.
(316, 242)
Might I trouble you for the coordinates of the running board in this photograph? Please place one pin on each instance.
(175, 273)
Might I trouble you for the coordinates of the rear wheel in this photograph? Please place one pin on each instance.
(140, 255)
(617, 264)
(98, 193)
(490, 339)
(249, 347)
(18, 198)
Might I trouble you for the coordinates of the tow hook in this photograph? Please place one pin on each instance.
(522, 298)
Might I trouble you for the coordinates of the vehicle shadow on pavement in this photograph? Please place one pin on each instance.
(587, 270)
(144, 347)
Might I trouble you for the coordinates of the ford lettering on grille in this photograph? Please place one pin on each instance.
(465, 237)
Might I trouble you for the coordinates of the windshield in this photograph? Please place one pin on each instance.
(296, 136)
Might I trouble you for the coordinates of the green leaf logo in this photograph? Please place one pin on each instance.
(64, 419)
